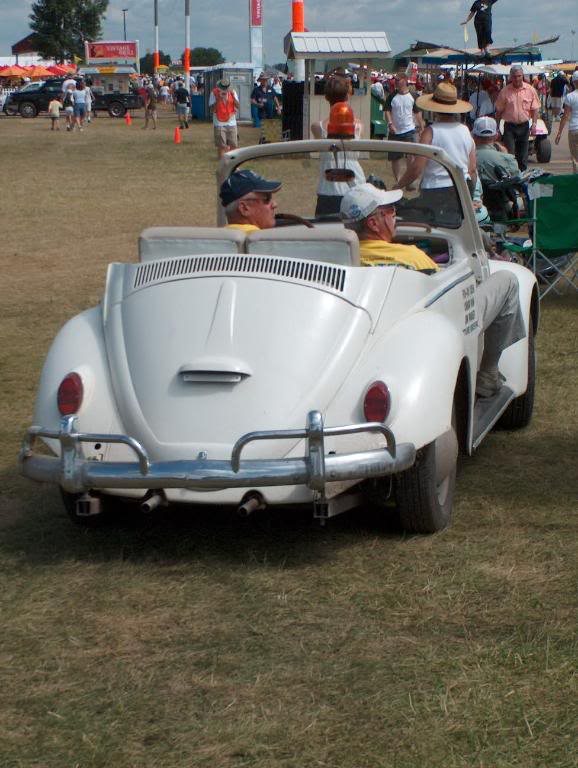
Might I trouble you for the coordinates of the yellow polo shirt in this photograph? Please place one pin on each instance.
(379, 253)
(243, 227)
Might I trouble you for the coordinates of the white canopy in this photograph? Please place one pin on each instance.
(504, 70)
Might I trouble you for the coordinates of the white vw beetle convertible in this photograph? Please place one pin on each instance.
(270, 368)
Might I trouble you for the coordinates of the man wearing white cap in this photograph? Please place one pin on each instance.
(370, 212)
(492, 161)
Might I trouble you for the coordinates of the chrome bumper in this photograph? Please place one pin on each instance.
(77, 474)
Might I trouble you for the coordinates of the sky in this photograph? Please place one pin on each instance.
(223, 24)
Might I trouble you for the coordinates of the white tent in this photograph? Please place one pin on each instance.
(504, 70)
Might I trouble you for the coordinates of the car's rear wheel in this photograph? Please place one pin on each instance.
(425, 492)
(116, 109)
(28, 109)
(519, 413)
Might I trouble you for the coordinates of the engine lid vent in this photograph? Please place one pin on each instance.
(297, 270)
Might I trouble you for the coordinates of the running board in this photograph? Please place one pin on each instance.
(488, 410)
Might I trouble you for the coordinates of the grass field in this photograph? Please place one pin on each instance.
(194, 639)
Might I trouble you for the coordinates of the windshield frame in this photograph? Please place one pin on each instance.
(468, 229)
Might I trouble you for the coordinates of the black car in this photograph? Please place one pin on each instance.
(35, 97)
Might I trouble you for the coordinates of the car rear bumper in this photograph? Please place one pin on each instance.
(76, 474)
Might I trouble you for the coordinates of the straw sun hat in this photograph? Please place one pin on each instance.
(444, 99)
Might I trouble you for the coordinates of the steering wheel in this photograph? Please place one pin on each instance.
(289, 219)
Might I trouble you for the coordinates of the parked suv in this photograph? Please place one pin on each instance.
(35, 97)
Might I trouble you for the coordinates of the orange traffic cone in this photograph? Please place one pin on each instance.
(177, 137)
(128, 118)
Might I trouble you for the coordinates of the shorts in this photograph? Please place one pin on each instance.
(182, 110)
(225, 136)
(79, 110)
(556, 102)
(69, 110)
(409, 136)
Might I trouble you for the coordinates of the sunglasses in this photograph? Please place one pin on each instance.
(265, 197)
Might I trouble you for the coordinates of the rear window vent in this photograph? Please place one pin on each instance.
(311, 272)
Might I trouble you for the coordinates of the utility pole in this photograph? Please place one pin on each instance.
(156, 55)
(124, 12)
(187, 56)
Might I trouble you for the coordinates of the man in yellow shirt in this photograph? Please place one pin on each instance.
(248, 201)
(370, 212)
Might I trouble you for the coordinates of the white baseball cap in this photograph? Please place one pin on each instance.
(361, 201)
(485, 127)
(574, 76)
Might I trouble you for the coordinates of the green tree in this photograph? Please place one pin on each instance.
(62, 26)
(147, 62)
(204, 57)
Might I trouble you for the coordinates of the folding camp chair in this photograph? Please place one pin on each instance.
(552, 251)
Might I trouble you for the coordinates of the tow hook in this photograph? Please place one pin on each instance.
(87, 506)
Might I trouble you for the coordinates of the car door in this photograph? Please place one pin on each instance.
(48, 92)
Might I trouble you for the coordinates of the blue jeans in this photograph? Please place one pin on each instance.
(255, 116)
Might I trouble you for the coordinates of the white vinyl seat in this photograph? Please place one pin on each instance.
(168, 242)
(330, 243)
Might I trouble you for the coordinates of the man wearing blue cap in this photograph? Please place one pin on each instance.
(248, 201)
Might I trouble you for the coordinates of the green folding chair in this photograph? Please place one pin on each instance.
(552, 251)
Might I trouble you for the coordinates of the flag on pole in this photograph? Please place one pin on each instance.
(466, 35)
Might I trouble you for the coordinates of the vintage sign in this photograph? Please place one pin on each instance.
(111, 51)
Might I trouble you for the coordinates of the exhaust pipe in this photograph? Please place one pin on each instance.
(152, 502)
(251, 503)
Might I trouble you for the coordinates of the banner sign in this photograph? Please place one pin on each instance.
(112, 51)
(256, 13)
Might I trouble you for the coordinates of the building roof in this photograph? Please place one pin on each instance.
(28, 44)
(427, 53)
(337, 45)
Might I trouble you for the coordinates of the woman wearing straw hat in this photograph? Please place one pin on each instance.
(437, 189)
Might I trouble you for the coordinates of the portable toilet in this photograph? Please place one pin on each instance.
(241, 77)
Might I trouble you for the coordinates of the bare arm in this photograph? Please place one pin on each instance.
(415, 168)
(316, 130)
(563, 121)
(470, 17)
(473, 165)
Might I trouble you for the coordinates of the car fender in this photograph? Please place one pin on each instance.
(419, 360)
(514, 359)
(79, 347)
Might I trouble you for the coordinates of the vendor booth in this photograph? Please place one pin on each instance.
(109, 79)
(323, 52)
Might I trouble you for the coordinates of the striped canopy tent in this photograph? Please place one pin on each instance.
(14, 71)
(58, 69)
(37, 72)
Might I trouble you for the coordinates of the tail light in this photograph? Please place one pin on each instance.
(70, 394)
(377, 402)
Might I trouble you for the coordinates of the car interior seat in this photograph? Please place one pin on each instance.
(169, 242)
(330, 243)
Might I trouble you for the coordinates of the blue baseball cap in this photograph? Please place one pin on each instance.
(241, 183)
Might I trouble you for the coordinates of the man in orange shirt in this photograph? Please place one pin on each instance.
(518, 104)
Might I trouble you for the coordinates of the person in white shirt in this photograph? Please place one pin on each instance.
(452, 136)
(570, 116)
(481, 103)
(403, 118)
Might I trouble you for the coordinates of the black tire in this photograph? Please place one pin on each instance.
(425, 492)
(10, 109)
(543, 150)
(116, 109)
(27, 109)
(519, 413)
